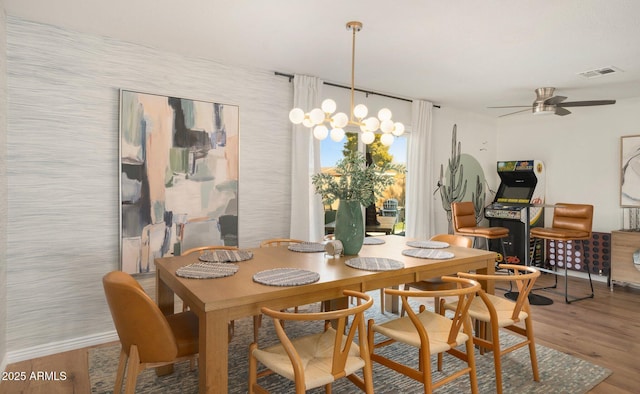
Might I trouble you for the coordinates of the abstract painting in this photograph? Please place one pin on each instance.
(630, 171)
(178, 177)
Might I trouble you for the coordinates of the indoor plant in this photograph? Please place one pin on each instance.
(354, 184)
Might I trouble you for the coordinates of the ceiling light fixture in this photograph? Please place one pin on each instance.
(324, 119)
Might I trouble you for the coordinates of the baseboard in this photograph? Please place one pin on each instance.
(58, 347)
(3, 365)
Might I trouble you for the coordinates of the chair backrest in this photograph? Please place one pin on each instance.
(344, 333)
(138, 319)
(465, 291)
(524, 277)
(463, 215)
(455, 240)
(573, 217)
(279, 241)
(390, 204)
(209, 247)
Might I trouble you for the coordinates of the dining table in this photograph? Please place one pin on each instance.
(218, 301)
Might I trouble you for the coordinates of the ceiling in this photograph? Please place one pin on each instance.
(466, 54)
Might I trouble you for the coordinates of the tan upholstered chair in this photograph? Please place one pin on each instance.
(149, 339)
(571, 223)
(319, 359)
(438, 283)
(499, 312)
(200, 250)
(431, 333)
(463, 217)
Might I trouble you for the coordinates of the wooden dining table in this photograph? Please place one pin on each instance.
(221, 300)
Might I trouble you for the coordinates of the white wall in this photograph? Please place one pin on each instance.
(477, 135)
(3, 186)
(62, 169)
(581, 153)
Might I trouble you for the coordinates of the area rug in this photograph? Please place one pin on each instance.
(559, 372)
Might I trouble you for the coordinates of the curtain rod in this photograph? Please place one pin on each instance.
(367, 92)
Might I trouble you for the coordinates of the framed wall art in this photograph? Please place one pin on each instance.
(630, 171)
(178, 177)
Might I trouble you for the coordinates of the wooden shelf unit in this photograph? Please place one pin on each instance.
(623, 245)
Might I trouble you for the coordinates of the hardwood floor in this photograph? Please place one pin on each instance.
(604, 330)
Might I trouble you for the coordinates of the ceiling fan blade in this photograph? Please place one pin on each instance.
(511, 113)
(586, 103)
(513, 106)
(562, 111)
(554, 100)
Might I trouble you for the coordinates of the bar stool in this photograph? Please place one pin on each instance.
(571, 223)
(464, 223)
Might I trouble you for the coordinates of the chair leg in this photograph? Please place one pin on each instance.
(132, 370)
(583, 245)
(120, 374)
(528, 323)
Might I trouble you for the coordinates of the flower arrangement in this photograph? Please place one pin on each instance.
(355, 181)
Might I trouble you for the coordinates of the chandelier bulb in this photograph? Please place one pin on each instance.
(360, 111)
(306, 122)
(398, 129)
(386, 139)
(296, 116)
(384, 114)
(320, 132)
(316, 115)
(372, 123)
(328, 106)
(337, 134)
(368, 137)
(340, 120)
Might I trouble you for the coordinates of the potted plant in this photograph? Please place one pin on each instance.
(354, 184)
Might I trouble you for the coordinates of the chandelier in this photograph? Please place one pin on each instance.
(324, 119)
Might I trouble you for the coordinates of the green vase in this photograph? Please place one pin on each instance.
(350, 226)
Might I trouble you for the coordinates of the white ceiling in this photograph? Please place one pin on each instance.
(467, 54)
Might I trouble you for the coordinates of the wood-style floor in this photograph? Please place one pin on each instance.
(604, 330)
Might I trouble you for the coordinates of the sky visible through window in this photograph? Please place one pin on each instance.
(331, 151)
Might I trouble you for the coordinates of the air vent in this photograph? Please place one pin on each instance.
(600, 72)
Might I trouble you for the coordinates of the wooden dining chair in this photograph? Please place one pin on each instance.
(149, 339)
(317, 360)
(499, 312)
(438, 283)
(201, 250)
(279, 241)
(431, 333)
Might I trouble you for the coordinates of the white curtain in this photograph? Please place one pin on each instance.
(419, 205)
(307, 213)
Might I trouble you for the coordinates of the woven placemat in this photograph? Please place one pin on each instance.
(428, 244)
(374, 264)
(207, 270)
(373, 241)
(286, 277)
(428, 254)
(225, 256)
(307, 247)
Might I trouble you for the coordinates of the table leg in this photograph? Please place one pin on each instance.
(165, 300)
(214, 352)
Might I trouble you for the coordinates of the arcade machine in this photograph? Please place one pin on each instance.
(522, 185)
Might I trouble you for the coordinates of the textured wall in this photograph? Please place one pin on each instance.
(3, 184)
(62, 170)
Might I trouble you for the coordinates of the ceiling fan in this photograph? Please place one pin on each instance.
(547, 103)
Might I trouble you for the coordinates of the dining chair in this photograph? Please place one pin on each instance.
(279, 241)
(149, 339)
(201, 250)
(572, 223)
(438, 283)
(463, 219)
(499, 312)
(431, 333)
(317, 360)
